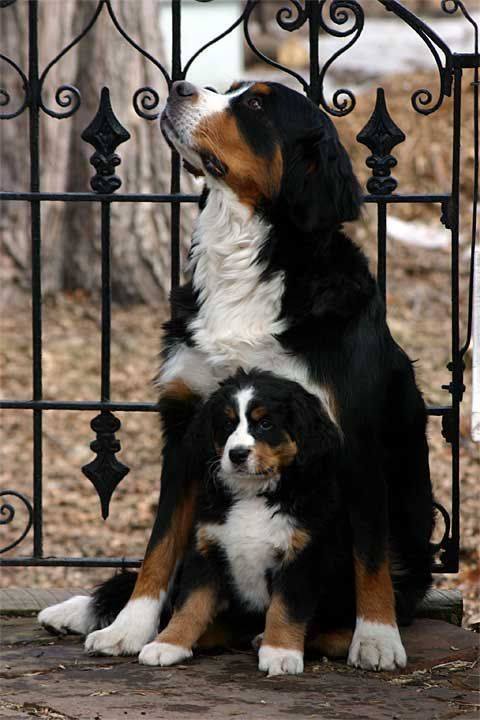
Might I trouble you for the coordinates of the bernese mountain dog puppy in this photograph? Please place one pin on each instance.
(277, 285)
(271, 546)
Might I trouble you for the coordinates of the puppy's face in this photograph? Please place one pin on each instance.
(260, 140)
(251, 438)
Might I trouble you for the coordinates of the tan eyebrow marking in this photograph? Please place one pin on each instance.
(258, 413)
(261, 89)
(236, 85)
(230, 413)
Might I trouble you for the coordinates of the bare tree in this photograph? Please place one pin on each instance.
(71, 231)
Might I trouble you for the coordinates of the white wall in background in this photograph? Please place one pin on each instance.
(223, 62)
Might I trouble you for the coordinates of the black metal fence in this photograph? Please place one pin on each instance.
(343, 19)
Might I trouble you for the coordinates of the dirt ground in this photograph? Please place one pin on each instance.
(419, 316)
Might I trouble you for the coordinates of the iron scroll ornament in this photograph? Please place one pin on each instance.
(422, 99)
(8, 512)
(68, 96)
(293, 17)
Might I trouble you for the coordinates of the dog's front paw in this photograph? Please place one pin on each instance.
(75, 615)
(376, 646)
(280, 661)
(133, 628)
(159, 653)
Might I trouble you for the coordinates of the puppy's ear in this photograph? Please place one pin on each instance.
(313, 431)
(199, 441)
(320, 187)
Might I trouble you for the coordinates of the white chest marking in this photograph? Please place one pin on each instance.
(254, 540)
(239, 312)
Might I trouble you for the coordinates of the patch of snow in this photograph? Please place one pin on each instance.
(418, 234)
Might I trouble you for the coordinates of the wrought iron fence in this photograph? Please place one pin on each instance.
(343, 19)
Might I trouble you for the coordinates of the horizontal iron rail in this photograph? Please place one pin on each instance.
(118, 406)
(466, 60)
(180, 198)
(116, 562)
(77, 405)
(100, 562)
(437, 410)
(97, 197)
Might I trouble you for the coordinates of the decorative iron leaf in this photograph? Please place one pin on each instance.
(105, 133)
(105, 472)
(380, 135)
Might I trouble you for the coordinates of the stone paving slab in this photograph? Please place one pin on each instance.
(29, 601)
(438, 604)
(50, 677)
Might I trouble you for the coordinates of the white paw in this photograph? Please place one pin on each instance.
(158, 653)
(376, 646)
(75, 615)
(133, 628)
(280, 661)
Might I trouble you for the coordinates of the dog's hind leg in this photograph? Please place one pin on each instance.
(123, 615)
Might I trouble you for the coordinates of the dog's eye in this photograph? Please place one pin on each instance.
(265, 424)
(212, 89)
(229, 425)
(255, 103)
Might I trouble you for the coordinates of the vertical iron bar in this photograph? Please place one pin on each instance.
(175, 174)
(106, 302)
(382, 249)
(457, 362)
(35, 230)
(313, 27)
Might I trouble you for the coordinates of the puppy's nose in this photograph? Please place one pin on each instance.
(239, 454)
(183, 89)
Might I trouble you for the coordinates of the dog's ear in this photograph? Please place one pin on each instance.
(198, 441)
(314, 432)
(319, 185)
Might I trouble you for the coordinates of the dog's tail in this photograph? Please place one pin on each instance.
(110, 597)
(82, 614)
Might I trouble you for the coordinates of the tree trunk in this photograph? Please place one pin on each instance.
(140, 232)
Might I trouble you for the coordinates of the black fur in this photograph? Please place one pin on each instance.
(336, 325)
(318, 585)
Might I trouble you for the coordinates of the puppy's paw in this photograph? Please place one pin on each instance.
(159, 653)
(280, 661)
(376, 646)
(75, 615)
(133, 628)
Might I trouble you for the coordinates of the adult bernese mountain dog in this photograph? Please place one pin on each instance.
(276, 285)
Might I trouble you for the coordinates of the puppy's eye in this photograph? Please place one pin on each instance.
(255, 103)
(212, 89)
(229, 425)
(265, 424)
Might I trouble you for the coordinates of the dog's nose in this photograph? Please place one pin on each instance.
(239, 454)
(183, 89)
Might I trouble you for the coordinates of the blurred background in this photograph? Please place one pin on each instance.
(387, 54)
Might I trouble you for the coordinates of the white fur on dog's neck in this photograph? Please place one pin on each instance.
(238, 319)
(238, 310)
